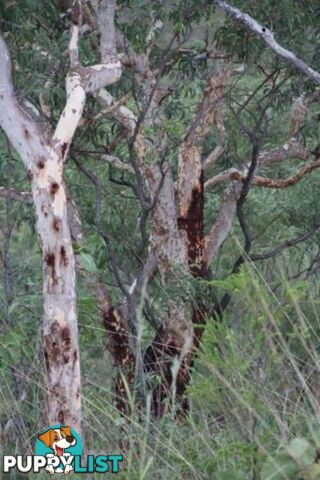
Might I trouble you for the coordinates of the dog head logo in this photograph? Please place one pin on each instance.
(59, 444)
(58, 439)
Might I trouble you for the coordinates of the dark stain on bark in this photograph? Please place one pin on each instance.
(61, 417)
(164, 348)
(121, 353)
(29, 175)
(52, 352)
(57, 346)
(44, 210)
(158, 359)
(192, 224)
(163, 343)
(63, 256)
(40, 164)
(50, 260)
(65, 359)
(118, 337)
(56, 224)
(26, 133)
(54, 187)
(64, 147)
(46, 358)
(66, 338)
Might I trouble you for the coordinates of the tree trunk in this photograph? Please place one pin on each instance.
(44, 159)
(61, 345)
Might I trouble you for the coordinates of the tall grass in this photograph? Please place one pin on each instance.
(255, 387)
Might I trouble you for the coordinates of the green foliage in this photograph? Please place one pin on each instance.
(256, 382)
(297, 460)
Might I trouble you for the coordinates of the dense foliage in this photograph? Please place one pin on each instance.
(254, 391)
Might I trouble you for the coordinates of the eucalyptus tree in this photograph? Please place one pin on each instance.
(189, 128)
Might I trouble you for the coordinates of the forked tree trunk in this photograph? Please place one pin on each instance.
(45, 167)
(44, 159)
(172, 352)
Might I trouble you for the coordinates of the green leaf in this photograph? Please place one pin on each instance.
(316, 438)
(301, 451)
(87, 262)
(282, 467)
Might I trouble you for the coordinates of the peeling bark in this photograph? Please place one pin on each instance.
(119, 346)
(177, 223)
(177, 236)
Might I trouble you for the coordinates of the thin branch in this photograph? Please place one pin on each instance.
(212, 158)
(105, 10)
(76, 14)
(104, 112)
(268, 38)
(258, 181)
(117, 163)
(24, 132)
(25, 197)
(223, 223)
(286, 244)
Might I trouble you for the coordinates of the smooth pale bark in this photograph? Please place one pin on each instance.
(44, 159)
(45, 167)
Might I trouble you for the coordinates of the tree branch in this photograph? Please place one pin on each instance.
(268, 38)
(25, 197)
(283, 246)
(258, 181)
(223, 223)
(117, 163)
(23, 131)
(105, 10)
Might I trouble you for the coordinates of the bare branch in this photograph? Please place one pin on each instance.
(286, 244)
(86, 79)
(258, 181)
(223, 223)
(76, 14)
(25, 197)
(106, 111)
(71, 115)
(268, 37)
(288, 150)
(128, 120)
(213, 156)
(105, 10)
(23, 131)
(117, 163)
